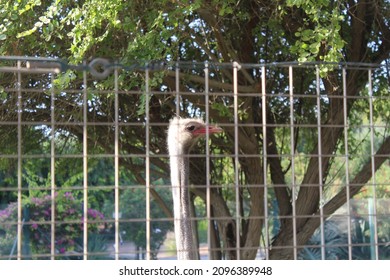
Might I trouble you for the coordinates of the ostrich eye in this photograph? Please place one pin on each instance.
(190, 128)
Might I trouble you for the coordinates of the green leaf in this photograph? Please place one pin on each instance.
(44, 20)
(314, 47)
(26, 33)
(307, 34)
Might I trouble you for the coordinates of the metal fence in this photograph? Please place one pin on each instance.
(300, 172)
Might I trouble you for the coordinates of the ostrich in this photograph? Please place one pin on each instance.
(182, 136)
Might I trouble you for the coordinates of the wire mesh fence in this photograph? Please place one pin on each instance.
(301, 170)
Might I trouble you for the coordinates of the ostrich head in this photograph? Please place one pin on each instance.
(184, 133)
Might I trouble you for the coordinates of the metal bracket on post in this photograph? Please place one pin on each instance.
(237, 65)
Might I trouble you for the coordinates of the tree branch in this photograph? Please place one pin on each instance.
(227, 51)
(277, 174)
(359, 181)
(213, 83)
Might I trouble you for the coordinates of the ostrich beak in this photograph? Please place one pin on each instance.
(210, 129)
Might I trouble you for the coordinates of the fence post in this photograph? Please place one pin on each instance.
(26, 247)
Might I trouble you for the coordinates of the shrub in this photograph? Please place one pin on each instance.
(37, 216)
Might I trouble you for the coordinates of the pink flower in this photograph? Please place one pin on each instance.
(69, 196)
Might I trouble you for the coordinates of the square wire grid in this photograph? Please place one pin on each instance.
(295, 111)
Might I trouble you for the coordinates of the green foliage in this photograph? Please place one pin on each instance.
(7, 242)
(171, 30)
(334, 239)
(321, 30)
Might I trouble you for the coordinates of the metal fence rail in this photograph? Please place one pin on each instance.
(84, 168)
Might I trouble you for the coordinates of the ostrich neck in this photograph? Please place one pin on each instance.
(179, 163)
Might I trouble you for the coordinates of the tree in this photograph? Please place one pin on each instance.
(216, 31)
(133, 207)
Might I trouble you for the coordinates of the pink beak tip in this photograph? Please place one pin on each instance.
(215, 129)
(210, 129)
